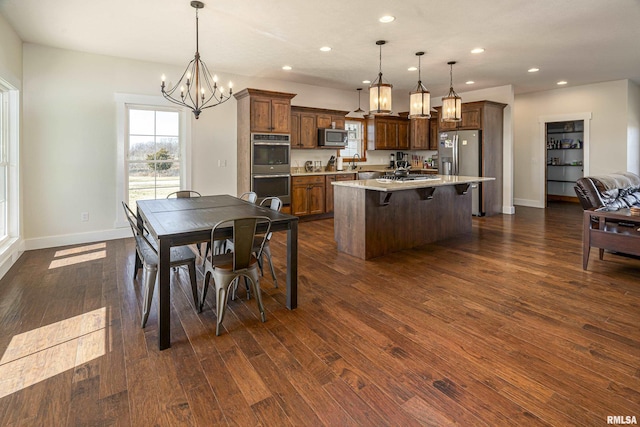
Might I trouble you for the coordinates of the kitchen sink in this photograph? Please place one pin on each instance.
(369, 174)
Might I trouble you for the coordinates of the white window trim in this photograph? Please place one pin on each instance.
(11, 246)
(122, 101)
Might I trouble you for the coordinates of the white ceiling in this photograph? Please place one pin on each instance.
(581, 41)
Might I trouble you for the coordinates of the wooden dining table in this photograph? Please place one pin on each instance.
(184, 221)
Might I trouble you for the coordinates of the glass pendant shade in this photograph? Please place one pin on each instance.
(380, 92)
(452, 103)
(420, 99)
(380, 98)
(420, 104)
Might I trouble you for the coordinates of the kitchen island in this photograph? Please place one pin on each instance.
(375, 217)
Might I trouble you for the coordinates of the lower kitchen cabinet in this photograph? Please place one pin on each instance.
(313, 194)
(307, 195)
(328, 191)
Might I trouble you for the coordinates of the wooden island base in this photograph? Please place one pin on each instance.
(370, 223)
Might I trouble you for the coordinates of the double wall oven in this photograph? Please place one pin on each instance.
(271, 165)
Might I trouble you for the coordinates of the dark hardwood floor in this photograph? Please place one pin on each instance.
(498, 328)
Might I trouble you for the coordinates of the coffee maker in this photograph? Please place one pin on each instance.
(401, 161)
(392, 161)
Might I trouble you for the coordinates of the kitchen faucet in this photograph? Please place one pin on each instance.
(353, 161)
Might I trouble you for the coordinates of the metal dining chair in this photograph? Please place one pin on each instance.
(186, 194)
(183, 194)
(249, 196)
(260, 250)
(227, 268)
(147, 258)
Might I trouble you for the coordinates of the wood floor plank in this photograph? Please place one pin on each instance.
(499, 327)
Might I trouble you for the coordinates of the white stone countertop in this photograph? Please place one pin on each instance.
(361, 168)
(380, 184)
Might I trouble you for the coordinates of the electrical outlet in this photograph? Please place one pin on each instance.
(222, 163)
(84, 216)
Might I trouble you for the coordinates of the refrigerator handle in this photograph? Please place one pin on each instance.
(455, 155)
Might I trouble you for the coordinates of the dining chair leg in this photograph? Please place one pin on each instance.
(221, 304)
(205, 286)
(194, 283)
(255, 282)
(137, 266)
(150, 274)
(267, 252)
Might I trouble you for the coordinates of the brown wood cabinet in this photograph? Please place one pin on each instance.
(387, 133)
(419, 136)
(471, 118)
(269, 112)
(307, 195)
(328, 190)
(305, 122)
(433, 133)
(258, 111)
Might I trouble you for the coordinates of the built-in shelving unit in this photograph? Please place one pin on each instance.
(565, 158)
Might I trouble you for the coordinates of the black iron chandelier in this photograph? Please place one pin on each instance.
(196, 89)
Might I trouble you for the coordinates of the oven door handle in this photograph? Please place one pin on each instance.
(271, 143)
(272, 176)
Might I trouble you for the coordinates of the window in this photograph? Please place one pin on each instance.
(355, 143)
(153, 153)
(9, 194)
(3, 166)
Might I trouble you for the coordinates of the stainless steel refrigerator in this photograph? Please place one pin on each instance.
(460, 153)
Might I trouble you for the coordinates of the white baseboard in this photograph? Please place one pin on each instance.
(10, 254)
(76, 239)
(508, 210)
(530, 203)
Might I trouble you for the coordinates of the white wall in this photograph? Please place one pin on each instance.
(10, 54)
(70, 141)
(607, 151)
(633, 129)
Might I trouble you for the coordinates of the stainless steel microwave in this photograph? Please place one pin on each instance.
(332, 137)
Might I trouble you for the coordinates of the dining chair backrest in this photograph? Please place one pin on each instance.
(184, 194)
(274, 203)
(244, 231)
(139, 232)
(249, 196)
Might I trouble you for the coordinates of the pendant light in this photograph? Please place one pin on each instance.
(420, 99)
(359, 110)
(452, 103)
(198, 90)
(380, 92)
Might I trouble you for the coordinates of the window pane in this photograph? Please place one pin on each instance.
(141, 122)
(171, 147)
(141, 148)
(167, 123)
(142, 183)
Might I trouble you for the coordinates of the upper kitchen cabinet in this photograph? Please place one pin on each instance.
(419, 134)
(305, 122)
(471, 118)
(264, 111)
(387, 133)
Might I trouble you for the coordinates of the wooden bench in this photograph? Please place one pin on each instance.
(617, 231)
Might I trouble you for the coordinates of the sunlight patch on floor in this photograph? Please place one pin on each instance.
(47, 351)
(77, 255)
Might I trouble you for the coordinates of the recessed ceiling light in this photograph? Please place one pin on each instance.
(386, 19)
(286, 67)
(533, 70)
(469, 82)
(412, 69)
(366, 82)
(325, 48)
(562, 82)
(477, 50)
